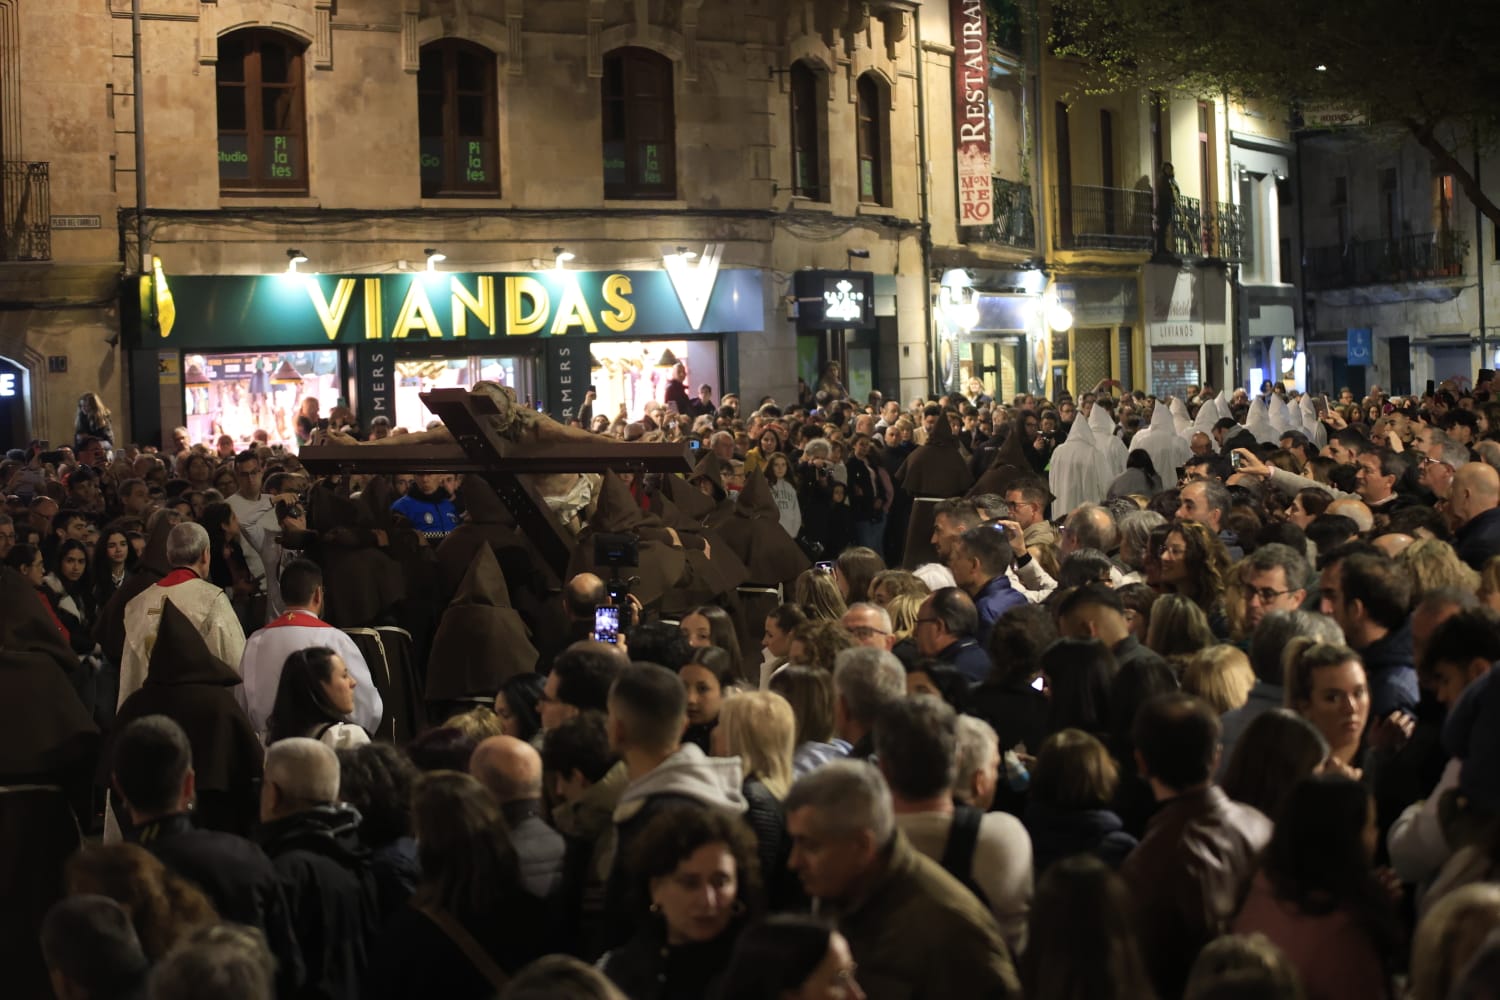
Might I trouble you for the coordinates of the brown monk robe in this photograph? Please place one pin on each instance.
(709, 474)
(1010, 464)
(488, 522)
(770, 555)
(663, 560)
(195, 689)
(935, 471)
(690, 501)
(109, 631)
(480, 643)
(714, 570)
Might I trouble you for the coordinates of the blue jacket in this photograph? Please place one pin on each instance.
(993, 600)
(1389, 665)
(968, 656)
(1479, 539)
(433, 516)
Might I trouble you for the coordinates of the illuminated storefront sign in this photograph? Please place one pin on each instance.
(835, 300)
(971, 112)
(285, 310)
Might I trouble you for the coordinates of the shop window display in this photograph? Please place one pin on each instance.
(415, 376)
(634, 373)
(238, 394)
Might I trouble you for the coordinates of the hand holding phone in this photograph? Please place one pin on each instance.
(607, 625)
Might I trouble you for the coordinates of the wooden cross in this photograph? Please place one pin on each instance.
(477, 448)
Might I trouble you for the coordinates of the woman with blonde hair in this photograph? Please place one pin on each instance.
(1326, 684)
(1178, 628)
(817, 643)
(809, 693)
(93, 420)
(1221, 675)
(819, 595)
(163, 908)
(1434, 565)
(890, 583)
(1449, 935)
(903, 610)
(759, 728)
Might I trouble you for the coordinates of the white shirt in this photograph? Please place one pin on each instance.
(257, 522)
(266, 653)
(204, 604)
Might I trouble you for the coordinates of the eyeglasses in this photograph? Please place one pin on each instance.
(869, 631)
(927, 621)
(1265, 594)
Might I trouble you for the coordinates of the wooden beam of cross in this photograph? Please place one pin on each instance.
(479, 448)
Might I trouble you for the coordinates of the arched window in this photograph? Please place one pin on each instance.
(809, 165)
(458, 118)
(873, 141)
(640, 146)
(262, 112)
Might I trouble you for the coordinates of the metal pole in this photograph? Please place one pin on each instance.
(138, 74)
(1479, 257)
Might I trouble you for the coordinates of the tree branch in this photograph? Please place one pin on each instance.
(1426, 136)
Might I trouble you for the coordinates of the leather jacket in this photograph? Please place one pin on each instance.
(1189, 875)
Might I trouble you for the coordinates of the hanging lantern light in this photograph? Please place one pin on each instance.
(667, 359)
(195, 375)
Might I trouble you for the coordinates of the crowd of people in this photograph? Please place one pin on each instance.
(1109, 697)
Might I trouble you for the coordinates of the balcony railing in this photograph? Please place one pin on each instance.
(1215, 234)
(1014, 224)
(1423, 257)
(26, 225)
(1102, 218)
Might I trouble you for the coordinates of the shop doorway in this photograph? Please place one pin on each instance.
(627, 374)
(1000, 364)
(239, 393)
(415, 376)
(1452, 363)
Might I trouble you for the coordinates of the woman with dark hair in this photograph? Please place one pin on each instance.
(699, 869)
(710, 625)
(67, 587)
(776, 640)
(791, 957)
(114, 559)
(940, 680)
(708, 677)
(1195, 564)
(1139, 478)
(1307, 505)
(1077, 674)
(470, 924)
(1327, 685)
(1073, 783)
(517, 704)
(1277, 749)
(315, 698)
(853, 572)
(1318, 897)
(1083, 944)
(377, 779)
(809, 690)
(1178, 629)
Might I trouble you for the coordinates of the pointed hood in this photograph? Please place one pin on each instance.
(1167, 448)
(26, 626)
(688, 499)
(1294, 417)
(180, 656)
(1208, 415)
(1101, 422)
(1010, 464)
(1316, 432)
(941, 435)
(1280, 419)
(937, 468)
(618, 510)
(1258, 422)
(481, 502)
(1162, 418)
(755, 499)
(154, 556)
(1077, 471)
(47, 728)
(1223, 406)
(709, 467)
(1180, 419)
(481, 640)
(1083, 433)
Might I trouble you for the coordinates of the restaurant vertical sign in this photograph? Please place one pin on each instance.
(971, 111)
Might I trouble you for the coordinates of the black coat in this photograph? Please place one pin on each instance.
(646, 969)
(1062, 833)
(413, 959)
(330, 886)
(237, 876)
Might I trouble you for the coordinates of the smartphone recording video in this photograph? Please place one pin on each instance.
(607, 625)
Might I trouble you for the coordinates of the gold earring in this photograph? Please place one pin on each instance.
(655, 908)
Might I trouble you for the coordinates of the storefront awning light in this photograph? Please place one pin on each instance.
(293, 258)
(195, 376)
(286, 375)
(434, 258)
(562, 256)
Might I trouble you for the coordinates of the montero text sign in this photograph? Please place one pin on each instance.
(971, 113)
(310, 310)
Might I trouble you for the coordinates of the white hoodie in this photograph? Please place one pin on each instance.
(1076, 473)
(689, 773)
(1167, 448)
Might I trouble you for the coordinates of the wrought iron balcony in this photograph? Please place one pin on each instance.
(26, 225)
(1014, 224)
(1214, 234)
(1422, 257)
(1101, 218)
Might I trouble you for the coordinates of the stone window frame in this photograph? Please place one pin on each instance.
(451, 48)
(253, 97)
(634, 110)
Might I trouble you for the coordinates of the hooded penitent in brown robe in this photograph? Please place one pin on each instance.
(755, 534)
(48, 736)
(663, 566)
(709, 468)
(481, 641)
(361, 583)
(691, 502)
(109, 632)
(195, 689)
(937, 468)
(1010, 464)
(486, 522)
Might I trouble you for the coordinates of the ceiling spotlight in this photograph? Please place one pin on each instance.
(434, 258)
(1321, 68)
(293, 258)
(562, 255)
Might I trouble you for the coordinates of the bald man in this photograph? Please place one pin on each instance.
(1474, 506)
(1356, 511)
(313, 841)
(512, 770)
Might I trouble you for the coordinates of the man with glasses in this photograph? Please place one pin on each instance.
(1028, 508)
(945, 628)
(1443, 460)
(1272, 578)
(870, 624)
